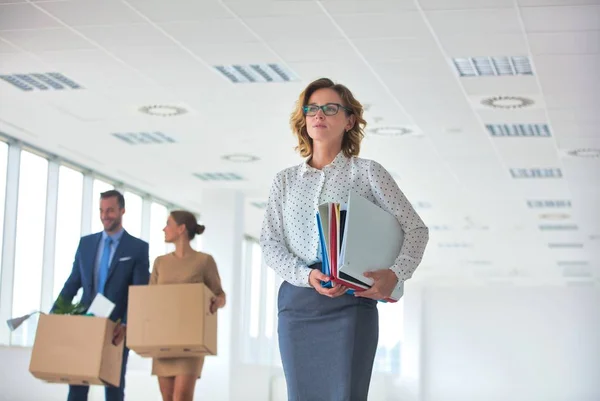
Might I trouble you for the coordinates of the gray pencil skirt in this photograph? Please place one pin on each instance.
(327, 345)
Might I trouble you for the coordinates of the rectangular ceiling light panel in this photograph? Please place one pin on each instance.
(43, 82)
(492, 66)
(519, 130)
(143, 138)
(256, 73)
(536, 173)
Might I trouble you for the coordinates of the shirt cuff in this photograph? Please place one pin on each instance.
(404, 268)
(303, 275)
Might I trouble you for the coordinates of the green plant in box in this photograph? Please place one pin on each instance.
(64, 307)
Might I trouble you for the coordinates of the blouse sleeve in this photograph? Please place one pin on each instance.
(416, 234)
(154, 274)
(211, 276)
(272, 241)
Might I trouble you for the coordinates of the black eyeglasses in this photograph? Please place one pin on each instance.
(329, 109)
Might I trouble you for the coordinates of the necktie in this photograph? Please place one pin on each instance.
(104, 264)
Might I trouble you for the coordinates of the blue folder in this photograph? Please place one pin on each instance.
(325, 268)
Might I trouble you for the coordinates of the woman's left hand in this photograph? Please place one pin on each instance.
(217, 302)
(384, 282)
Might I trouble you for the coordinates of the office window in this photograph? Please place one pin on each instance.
(29, 251)
(68, 224)
(99, 187)
(132, 220)
(158, 219)
(3, 172)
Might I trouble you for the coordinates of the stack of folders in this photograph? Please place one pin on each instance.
(357, 238)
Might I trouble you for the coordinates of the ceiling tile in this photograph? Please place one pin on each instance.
(499, 85)
(92, 12)
(339, 7)
(242, 53)
(180, 10)
(46, 39)
(552, 19)
(273, 8)
(464, 4)
(15, 63)
(576, 42)
(5, 47)
(126, 35)
(484, 45)
(403, 24)
(533, 116)
(584, 116)
(572, 100)
(396, 48)
(481, 21)
(93, 68)
(24, 16)
(191, 33)
(415, 69)
(536, 3)
(579, 69)
(304, 50)
(278, 28)
(524, 152)
(167, 65)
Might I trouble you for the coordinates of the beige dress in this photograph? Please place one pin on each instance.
(196, 267)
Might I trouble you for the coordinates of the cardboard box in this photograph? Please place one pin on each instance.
(171, 320)
(76, 350)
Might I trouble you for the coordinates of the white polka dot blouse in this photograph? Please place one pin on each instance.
(290, 238)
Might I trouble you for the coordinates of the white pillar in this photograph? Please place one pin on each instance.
(7, 272)
(410, 384)
(223, 215)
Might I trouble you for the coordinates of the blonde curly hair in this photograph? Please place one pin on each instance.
(352, 137)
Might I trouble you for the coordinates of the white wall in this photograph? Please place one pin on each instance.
(518, 344)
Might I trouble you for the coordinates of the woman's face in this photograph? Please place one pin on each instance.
(328, 128)
(173, 230)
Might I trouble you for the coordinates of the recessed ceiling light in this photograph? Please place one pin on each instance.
(554, 216)
(162, 110)
(507, 102)
(390, 131)
(240, 158)
(587, 152)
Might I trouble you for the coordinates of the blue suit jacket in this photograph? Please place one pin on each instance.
(129, 266)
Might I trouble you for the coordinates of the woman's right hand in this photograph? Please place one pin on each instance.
(315, 278)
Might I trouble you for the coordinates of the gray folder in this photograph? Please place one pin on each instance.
(373, 239)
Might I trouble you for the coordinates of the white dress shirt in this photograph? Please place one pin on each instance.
(290, 238)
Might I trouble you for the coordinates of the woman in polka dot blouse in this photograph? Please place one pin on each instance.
(328, 338)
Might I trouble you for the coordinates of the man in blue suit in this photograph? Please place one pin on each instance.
(108, 263)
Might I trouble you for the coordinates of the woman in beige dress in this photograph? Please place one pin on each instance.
(177, 376)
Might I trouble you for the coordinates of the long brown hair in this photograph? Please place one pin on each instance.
(189, 220)
(352, 138)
